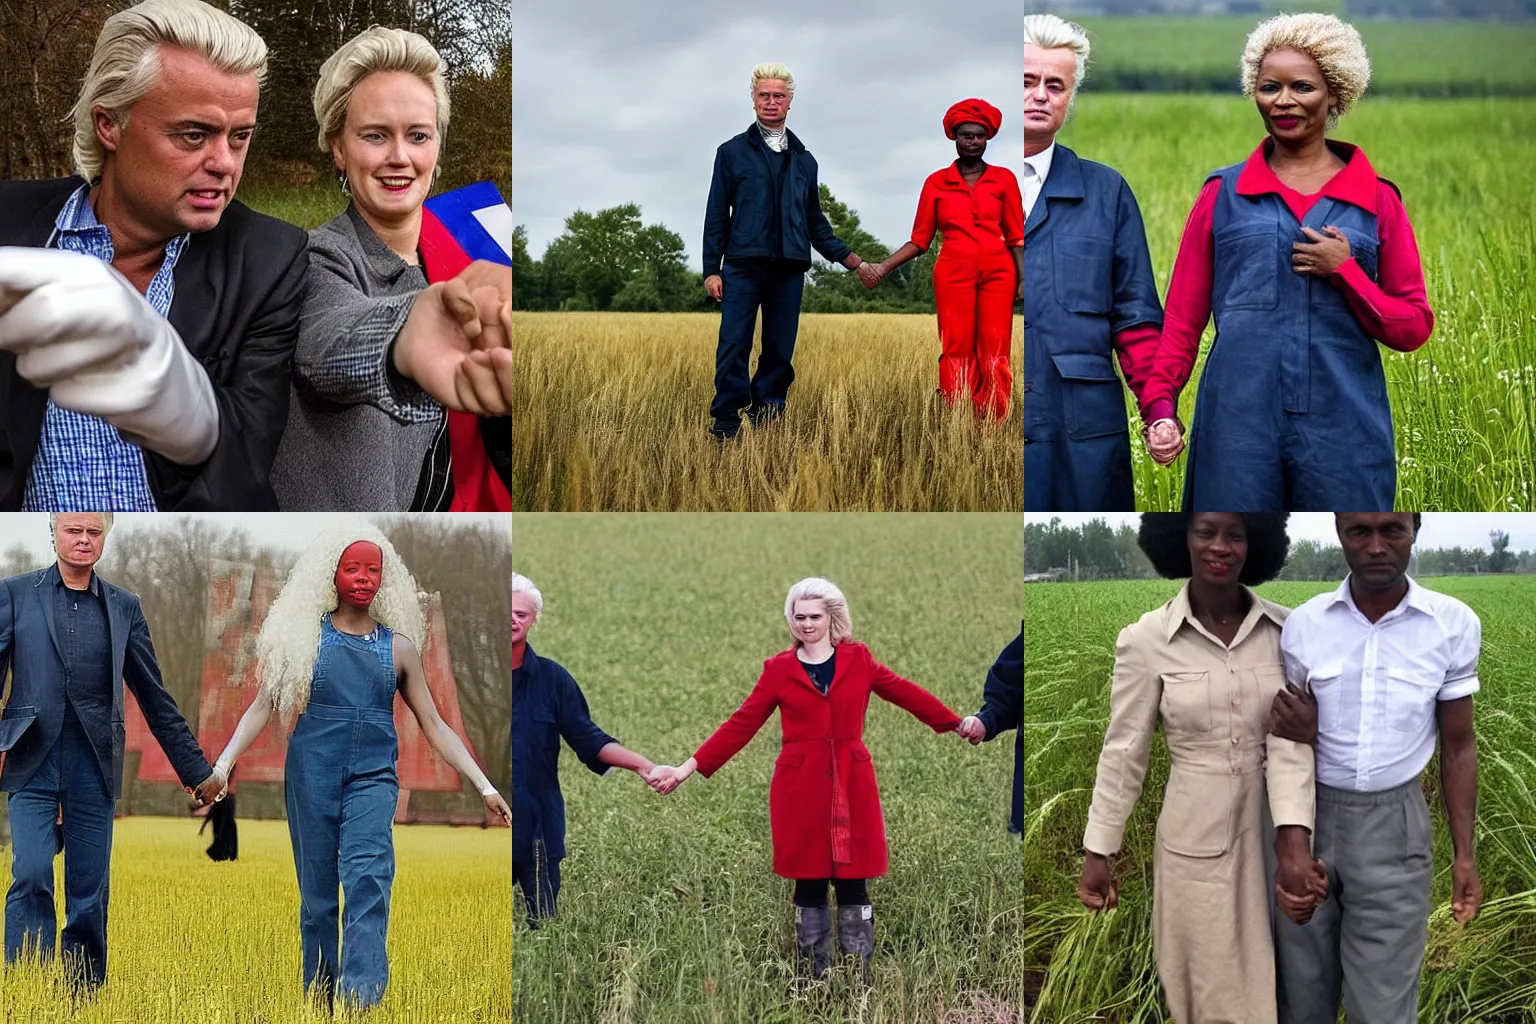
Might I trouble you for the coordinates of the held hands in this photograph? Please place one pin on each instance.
(972, 729)
(1322, 255)
(665, 778)
(212, 789)
(871, 273)
(1097, 888)
(456, 344)
(1300, 885)
(1293, 715)
(1165, 440)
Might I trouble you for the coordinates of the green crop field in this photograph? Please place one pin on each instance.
(1084, 967)
(670, 912)
(194, 942)
(1408, 58)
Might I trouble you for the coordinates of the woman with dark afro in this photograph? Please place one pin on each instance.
(1205, 667)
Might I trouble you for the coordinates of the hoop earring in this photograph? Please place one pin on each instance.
(345, 182)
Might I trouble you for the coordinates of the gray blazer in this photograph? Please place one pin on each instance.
(358, 432)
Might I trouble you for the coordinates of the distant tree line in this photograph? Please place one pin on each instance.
(613, 260)
(1097, 551)
(47, 47)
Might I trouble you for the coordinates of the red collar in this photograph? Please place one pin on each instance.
(952, 175)
(1355, 184)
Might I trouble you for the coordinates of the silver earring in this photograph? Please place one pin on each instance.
(346, 184)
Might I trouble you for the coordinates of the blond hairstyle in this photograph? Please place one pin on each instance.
(290, 636)
(1049, 32)
(1335, 45)
(814, 588)
(106, 523)
(523, 585)
(372, 50)
(764, 72)
(127, 59)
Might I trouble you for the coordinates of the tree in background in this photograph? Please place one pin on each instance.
(48, 44)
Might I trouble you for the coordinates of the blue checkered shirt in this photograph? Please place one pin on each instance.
(82, 462)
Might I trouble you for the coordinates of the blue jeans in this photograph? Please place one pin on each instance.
(69, 777)
(341, 791)
(774, 286)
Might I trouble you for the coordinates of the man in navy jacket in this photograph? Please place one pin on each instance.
(72, 640)
(1003, 709)
(763, 219)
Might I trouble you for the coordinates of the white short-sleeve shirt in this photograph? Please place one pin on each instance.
(1377, 684)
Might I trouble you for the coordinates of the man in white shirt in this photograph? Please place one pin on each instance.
(1089, 295)
(1392, 667)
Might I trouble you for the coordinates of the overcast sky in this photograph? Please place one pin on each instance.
(1441, 529)
(616, 102)
(272, 529)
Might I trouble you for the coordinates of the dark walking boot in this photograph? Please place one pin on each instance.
(856, 933)
(813, 939)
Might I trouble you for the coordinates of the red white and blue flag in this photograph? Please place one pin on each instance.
(457, 228)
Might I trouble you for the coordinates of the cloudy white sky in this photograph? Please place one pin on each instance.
(1441, 529)
(616, 102)
(274, 529)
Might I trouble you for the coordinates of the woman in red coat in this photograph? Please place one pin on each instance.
(979, 210)
(823, 803)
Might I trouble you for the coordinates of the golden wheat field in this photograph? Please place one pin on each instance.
(611, 412)
(194, 942)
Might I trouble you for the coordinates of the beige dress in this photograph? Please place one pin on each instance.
(1211, 899)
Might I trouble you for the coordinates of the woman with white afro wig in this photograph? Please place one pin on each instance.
(336, 646)
(823, 803)
(1308, 261)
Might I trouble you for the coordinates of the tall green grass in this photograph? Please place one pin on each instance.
(1086, 967)
(1464, 406)
(670, 911)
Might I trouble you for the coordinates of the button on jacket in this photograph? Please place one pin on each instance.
(1377, 684)
(1227, 782)
(546, 705)
(823, 803)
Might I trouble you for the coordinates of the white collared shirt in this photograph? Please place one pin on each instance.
(1377, 684)
(1036, 169)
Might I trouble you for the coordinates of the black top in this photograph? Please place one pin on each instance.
(821, 673)
(80, 623)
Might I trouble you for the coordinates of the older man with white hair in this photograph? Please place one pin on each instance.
(73, 640)
(546, 705)
(147, 320)
(1089, 295)
(763, 219)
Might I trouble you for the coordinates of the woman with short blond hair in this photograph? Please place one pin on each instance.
(1308, 261)
(382, 353)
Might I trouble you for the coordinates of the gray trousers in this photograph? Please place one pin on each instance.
(1366, 942)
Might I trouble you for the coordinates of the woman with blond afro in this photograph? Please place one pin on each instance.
(1308, 261)
(335, 648)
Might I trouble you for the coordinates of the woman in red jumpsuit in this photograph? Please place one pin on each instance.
(823, 803)
(979, 210)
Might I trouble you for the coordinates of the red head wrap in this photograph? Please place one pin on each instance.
(973, 111)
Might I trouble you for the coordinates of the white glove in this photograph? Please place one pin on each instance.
(80, 329)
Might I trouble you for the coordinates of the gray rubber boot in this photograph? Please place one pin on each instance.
(856, 933)
(813, 939)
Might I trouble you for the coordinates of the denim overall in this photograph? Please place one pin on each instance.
(341, 793)
(1087, 276)
(1292, 410)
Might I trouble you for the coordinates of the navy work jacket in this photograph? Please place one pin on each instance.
(546, 705)
(739, 217)
(1087, 277)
